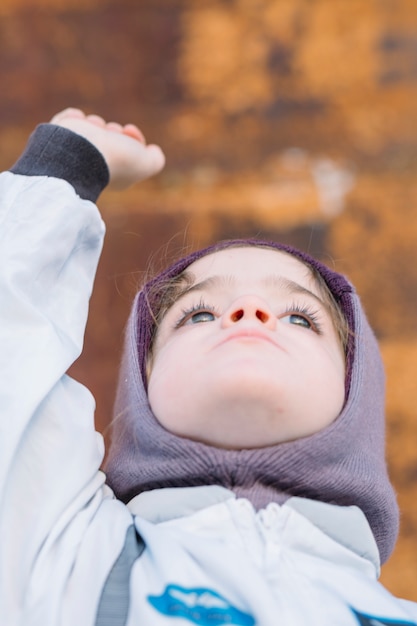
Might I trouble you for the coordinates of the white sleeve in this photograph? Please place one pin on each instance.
(50, 454)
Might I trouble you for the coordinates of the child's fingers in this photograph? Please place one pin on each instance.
(114, 127)
(123, 147)
(69, 112)
(130, 130)
(133, 131)
(97, 120)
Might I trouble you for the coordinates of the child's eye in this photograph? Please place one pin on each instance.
(302, 316)
(196, 314)
(295, 318)
(201, 316)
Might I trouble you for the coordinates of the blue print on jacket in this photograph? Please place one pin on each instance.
(370, 620)
(200, 606)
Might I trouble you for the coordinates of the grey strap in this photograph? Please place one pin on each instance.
(113, 607)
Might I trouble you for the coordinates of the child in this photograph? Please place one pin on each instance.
(248, 441)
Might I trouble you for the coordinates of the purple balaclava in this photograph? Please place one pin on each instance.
(342, 464)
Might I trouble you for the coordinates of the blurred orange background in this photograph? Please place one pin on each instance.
(293, 120)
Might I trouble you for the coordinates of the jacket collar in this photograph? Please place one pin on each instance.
(347, 525)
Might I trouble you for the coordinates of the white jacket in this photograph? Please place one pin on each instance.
(71, 554)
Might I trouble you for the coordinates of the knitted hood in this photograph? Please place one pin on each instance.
(342, 464)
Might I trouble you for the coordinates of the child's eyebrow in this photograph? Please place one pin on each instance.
(208, 284)
(290, 286)
(223, 281)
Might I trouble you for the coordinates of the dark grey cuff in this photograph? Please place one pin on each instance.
(58, 152)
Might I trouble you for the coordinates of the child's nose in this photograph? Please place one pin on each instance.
(249, 308)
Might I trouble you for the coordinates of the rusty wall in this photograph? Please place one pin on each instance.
(294, 120)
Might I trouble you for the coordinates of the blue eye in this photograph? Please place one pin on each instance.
(196, 314)
(302, 316)
(201, 316)
(299, 320)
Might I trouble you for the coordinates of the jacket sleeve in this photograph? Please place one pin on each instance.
(50, 454)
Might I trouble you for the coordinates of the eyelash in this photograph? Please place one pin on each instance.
(200, 307)
(311, 315)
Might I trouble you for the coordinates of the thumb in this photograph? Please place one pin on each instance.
(155, 161)
(135, 165)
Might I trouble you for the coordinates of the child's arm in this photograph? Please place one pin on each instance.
(50, 242)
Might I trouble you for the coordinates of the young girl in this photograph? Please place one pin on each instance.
(247, 456)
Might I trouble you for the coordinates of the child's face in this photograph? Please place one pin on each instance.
(248, 356)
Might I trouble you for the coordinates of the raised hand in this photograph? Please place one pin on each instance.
(124, 148)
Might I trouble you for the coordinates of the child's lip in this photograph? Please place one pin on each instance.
(250, 333)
